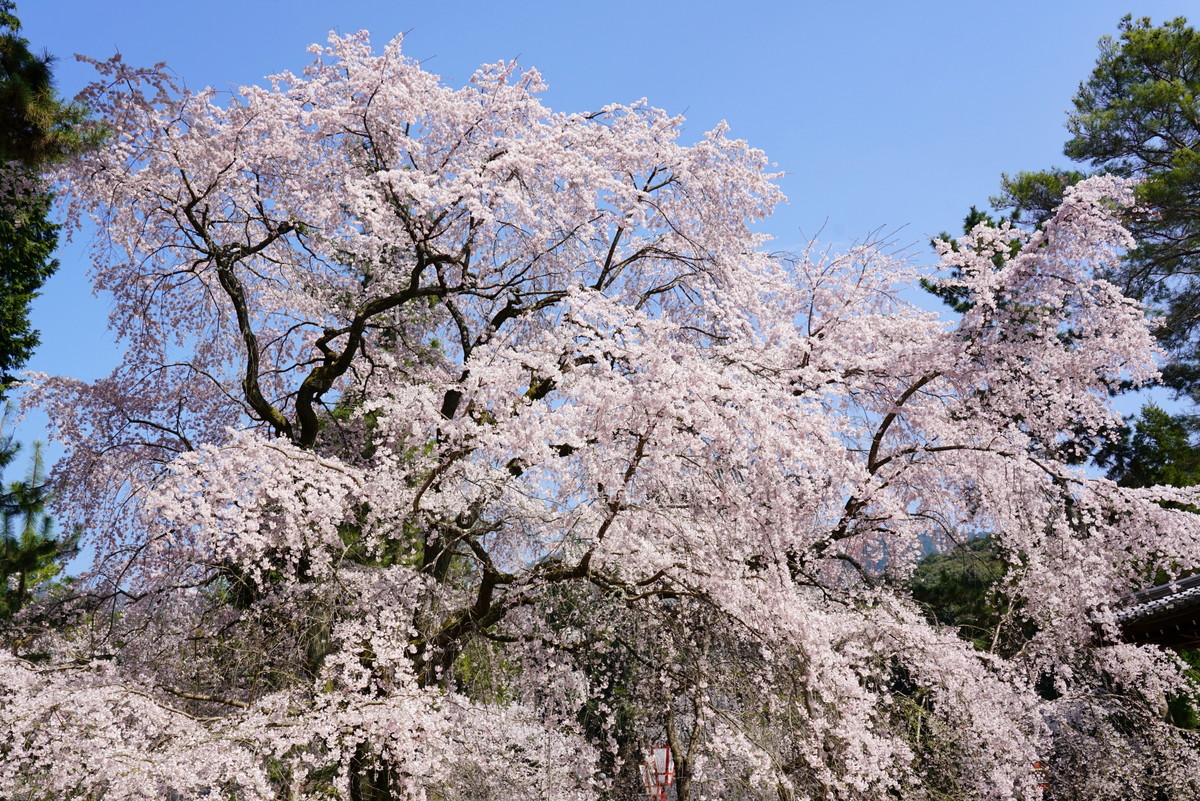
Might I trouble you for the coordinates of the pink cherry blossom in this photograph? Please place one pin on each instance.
(464, 447)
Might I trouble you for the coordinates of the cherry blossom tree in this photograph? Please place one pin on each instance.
(462, 448)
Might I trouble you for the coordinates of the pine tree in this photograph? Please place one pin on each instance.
(37, 129)
(30, 553)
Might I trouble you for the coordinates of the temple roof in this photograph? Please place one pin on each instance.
(1168, 614)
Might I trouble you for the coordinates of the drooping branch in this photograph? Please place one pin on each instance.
(265, 410)
(335, 364)
(889, 418)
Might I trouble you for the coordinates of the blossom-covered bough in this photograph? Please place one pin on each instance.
(462, 447)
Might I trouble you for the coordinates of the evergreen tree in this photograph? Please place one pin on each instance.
(951, 293)
(37, 129)
(36, 126)
(1156, 449)
(959, 588)
(1136, 116)
(30, 553)
(27, 241)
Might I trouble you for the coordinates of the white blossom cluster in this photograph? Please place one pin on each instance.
(463, 449)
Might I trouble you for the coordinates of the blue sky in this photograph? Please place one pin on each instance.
(882, 115)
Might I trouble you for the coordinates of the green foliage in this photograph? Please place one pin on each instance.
(1029, 198)
(483, 673)
(1181, 709)
(36, 126)
(1136, 115)
(37, 129)
(27, 242)
(30, 554)
(1156, 449)
(960, 588)
(955, 297)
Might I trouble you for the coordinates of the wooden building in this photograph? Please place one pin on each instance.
(1167, 615)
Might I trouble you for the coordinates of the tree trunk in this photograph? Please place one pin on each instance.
(369, 781)
(683, 768)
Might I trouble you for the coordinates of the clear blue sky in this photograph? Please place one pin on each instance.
(895, 115)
